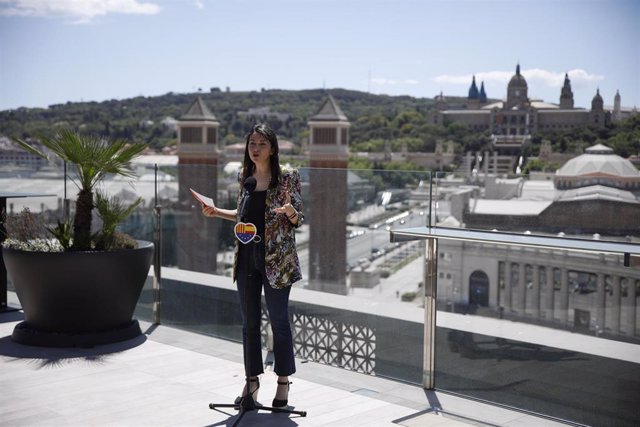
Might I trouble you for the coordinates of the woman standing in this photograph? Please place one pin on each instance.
(269, 260)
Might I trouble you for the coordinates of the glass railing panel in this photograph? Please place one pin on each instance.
(347, 256)
(553, 204)
(378, 329)
(359, 303)
(47, 181)
(550, 331)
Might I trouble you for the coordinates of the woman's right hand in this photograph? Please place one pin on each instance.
(209, 211)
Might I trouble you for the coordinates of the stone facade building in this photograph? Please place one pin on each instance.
(328, 176)
(198, 159)
(519, 116)
(592, 293)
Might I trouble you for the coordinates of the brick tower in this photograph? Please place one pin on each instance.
(328, 155)
(198, 155)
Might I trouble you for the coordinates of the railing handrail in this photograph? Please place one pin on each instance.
(515, 239)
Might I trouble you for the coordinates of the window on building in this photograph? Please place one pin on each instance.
(212, 136)
(191, 134)
(515, 275)
(501, 274)
(324, 136)
(624, 287)
(608, 285)
(582, 282)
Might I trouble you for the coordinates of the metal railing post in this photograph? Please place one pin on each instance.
(157, 256)
(430, 296)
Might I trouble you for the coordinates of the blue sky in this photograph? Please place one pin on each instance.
(71, 50)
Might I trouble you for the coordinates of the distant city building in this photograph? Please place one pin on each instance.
(264, 112)
(584, 292)
(519, 116)
(328, 180)
(596, 192)
(170, 123)
(236, 151)
(198, 159)
(594, 195)
(443, 155)
(12, 155)
(598, 166)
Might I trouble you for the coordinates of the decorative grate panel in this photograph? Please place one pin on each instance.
(344, 345)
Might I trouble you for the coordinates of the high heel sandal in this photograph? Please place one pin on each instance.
(254, 393)
(279, 403)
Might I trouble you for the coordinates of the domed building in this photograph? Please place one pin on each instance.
(517, 92)
(518, 116)
(513, 120)
(596, 192)
(598, 166)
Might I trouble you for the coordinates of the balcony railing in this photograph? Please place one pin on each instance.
(539, 322)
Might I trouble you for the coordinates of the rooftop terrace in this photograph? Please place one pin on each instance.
(169, 376)
(547, 324)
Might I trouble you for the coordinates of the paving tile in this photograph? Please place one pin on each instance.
(169, 377)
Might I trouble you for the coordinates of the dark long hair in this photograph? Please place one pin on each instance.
(248, 167)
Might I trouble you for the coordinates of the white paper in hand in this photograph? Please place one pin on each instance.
(207, 201)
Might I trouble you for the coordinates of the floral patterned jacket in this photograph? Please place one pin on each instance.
(281, 259)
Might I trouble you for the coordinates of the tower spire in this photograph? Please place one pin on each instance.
(473, 90)
(566, 94)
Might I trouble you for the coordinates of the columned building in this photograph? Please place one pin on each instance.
(518, 115)
(198, 158)
(593, 293)
(513, 120)
(328, 159)
(596, 194)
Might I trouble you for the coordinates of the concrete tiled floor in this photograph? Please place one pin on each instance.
(169, 377)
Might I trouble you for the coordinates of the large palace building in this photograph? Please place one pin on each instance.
(519, 116)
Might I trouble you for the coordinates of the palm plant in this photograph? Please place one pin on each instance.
(92, 158)
(112, 212)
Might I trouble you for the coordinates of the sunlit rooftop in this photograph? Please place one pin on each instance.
(169, 377)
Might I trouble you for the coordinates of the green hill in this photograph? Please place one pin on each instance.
(141, 118)
(376, 120)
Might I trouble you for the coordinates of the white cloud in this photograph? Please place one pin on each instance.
(381, 81)
(199, 4)
(578, 77)
(82, 11)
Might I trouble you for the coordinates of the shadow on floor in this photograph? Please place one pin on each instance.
(257, 418)
(11, 315)
(55, 356)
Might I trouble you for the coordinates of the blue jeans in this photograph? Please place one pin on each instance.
(251, 279)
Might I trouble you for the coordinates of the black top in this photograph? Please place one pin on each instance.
(255, 212)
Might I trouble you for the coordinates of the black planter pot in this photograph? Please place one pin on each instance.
(78, 298)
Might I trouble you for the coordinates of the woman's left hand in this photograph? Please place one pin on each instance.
(287, 208)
